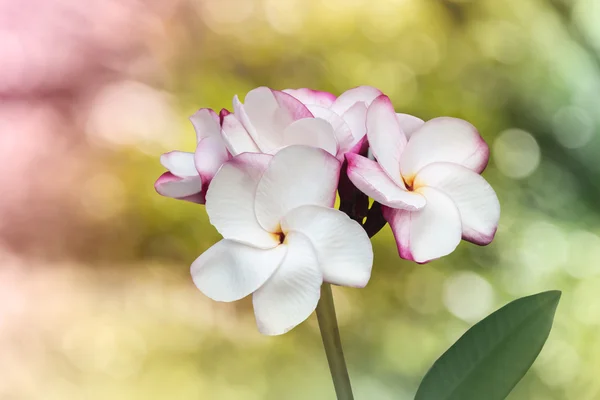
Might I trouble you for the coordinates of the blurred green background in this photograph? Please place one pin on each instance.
(96, 301)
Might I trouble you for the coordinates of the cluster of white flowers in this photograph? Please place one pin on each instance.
(269, 173)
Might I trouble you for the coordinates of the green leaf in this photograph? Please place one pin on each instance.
(492, 357)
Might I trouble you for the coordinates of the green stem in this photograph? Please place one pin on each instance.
(333, 345)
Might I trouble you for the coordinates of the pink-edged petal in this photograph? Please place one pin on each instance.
(342, 132)
(292, 292)
(206, 123)
(366, 94)
(386, 138)
(371, 179)
(296, 176)
(222, 114)
(310, 96)
(210, 154)
(361, 147)
(236, 137)
(268, 113)
(229, 270)
(180, 163)
(475, 199)
(356, 118)
(293, 106)
(343, 248)
(409, 123)
(429, 233)
(198, 198)
(230, 200)
(188, 188)
(315, 132)
(444, 139)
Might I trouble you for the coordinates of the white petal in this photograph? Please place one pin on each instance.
(269, 112)
(189, 188)
(312, 97)
(369, 178)
(315, 132)
(366, 94)
(409, 123)
(230, 270)
(356, 118)
(242, 116)
(292, 292)
(206, 123)
(230, 200)
(297, 176)
(263, 118)
(210, 154)
(236, 137)
(342, 132)
(180, 163)
(386, 138)
(473, 196)
(444, 139)
(431, 232)
(343, 247)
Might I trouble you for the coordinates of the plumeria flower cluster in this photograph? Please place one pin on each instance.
(269, 172)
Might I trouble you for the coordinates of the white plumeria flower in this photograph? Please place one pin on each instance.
(427, 178)
(189, 174)
(282, 239)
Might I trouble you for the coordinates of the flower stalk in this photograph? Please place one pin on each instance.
(330, 334)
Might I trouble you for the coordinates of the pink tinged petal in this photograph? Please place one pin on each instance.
(361, 147)
(210, 155)
(296, 176)
(293, 106)
(409, 123)
(429, 233)
(366, 94)
(292, 292)
(315, 132)
(310, 97)
(199, 198)
(187, 188)
(343, 248)
(206, 123)
(444, 139)
(386, 138)
(229, 270)
(180, 163)
(356, 118)
(368, 176)
(236, 137)
(475, 199)
(222, 114)
(230, 200)
(342, 132)
(268, 113)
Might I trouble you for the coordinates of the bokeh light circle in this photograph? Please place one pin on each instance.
(468, 296)
(516, 153)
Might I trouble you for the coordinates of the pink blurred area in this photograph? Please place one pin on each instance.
(71, 76)
(76, 78)
(64, 46)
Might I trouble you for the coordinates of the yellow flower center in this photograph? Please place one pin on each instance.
(408, 182)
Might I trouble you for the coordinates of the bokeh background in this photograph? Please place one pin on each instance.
(96, 301)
